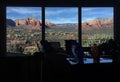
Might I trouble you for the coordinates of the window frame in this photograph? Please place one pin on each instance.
(43, 4)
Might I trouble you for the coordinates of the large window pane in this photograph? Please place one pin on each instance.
(23, 29)
(62, 24)
(97, 25)
(98, 28)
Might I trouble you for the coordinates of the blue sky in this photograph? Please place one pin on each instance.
(23, 12)
(90, 13)
(59, 14)
(62, 15)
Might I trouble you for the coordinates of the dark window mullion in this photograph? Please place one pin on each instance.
(43, 23)
(79, 26)
(116, 23)
(3, 30)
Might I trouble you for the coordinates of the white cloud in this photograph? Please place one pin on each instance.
(64, 20)
(90, 13)
(22, 10)
(63, 10)
(87, 9)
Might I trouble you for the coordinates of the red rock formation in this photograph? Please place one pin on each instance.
(98, 23)
(36, 24)
(33, 23)
(29, 22)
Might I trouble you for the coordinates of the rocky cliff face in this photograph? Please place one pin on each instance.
(98, 23)
(29, 22)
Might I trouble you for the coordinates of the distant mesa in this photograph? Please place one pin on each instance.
(10, 23)
(48, 23)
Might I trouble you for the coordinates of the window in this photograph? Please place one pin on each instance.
(23, 29)
(97, 28)
(97, 25)
(61, 24)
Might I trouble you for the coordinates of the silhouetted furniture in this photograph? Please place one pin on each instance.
(56, 68)
(55, 45)
(68, 46)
